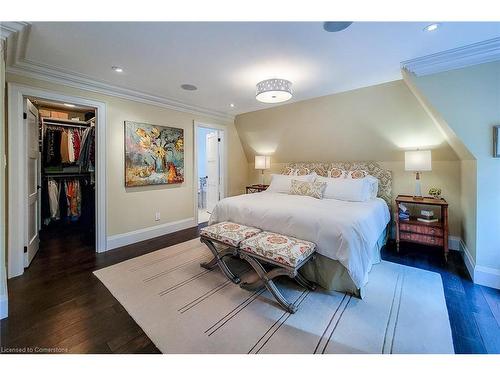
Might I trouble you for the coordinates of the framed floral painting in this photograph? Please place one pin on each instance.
(154, 155)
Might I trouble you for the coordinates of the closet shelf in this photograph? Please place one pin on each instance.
(62, 122)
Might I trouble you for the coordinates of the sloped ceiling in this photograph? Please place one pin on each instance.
(451, 137)
(372, 123)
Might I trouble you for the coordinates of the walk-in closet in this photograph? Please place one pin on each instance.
(66, 172)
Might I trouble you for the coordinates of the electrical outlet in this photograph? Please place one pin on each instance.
(157, 216)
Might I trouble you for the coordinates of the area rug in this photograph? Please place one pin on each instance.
(184, 308)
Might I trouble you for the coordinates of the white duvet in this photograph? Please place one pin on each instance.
(344, 231)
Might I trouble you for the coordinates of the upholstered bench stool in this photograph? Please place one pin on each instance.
(288, 254)
(230, 236)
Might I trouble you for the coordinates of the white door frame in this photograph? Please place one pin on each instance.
(223, 155)
(17, 169)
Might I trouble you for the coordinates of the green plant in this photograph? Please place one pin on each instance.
(435, 192)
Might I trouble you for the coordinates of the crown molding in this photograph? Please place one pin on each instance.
(18, 64)
(9, 28)
(462, 57)
(75, 80)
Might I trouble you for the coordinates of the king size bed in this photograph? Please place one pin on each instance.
(348, 234)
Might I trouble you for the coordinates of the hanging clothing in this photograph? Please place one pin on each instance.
(76, 143)
(86, 159)
(71, 149)
(45, 202)
(68, 196)
(92, 151)
(63, 202)
(54, 192)
(52, 147)
(64, 147)
(73, 199)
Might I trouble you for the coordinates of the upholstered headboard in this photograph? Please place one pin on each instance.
(322, 168)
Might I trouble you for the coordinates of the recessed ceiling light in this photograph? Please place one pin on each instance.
(189, 87)
(431, 27)
(274, 90)
(231, 105)
(69, 105)
(117, 69)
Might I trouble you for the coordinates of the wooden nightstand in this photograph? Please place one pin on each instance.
(256, 188)
(434, 234)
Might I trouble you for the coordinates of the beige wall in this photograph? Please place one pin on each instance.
(132, 209)
(469, 100)
(468, 198)
(445, 174)
(373, 123)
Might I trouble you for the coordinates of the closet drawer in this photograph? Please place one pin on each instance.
(421, 229)
(421, 238)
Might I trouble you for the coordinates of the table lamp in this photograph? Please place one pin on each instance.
(418, 161)
(262, 162)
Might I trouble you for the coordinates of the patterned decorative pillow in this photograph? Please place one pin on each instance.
(302, 171)
(313, 189)
(357, 173)
(336, 173)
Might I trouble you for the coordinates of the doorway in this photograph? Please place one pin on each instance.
(61, 184)
(56, 172)
(210, 169)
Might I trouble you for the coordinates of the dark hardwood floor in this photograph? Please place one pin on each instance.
(474, 310)
(58, 305)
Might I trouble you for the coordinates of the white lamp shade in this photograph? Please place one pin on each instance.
(418, 161)
(262, 162)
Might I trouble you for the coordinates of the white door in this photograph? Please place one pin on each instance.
(32, 215)
(213, 170)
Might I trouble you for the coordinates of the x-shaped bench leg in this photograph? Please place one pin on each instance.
(266, 279)
(304, 282)
(219, 261)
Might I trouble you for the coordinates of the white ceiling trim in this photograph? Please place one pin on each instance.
(19, 65)
(473, 54)
(9, 28)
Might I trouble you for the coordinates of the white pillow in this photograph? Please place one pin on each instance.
(357, 175)
(373, 186)
(281, 183)
(347, 189)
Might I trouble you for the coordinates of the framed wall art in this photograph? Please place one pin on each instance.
(154, 155)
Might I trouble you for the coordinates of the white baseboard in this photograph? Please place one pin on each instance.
(123, 239)
(481, 275)
(468, 259)
(487, 276)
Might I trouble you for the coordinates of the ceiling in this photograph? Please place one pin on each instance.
(225, 60)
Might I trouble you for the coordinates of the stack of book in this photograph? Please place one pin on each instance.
(404, 213)
(427, 217)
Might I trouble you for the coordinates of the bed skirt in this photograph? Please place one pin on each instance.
(331, 275)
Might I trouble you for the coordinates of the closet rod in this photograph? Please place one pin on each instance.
(68, 175)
